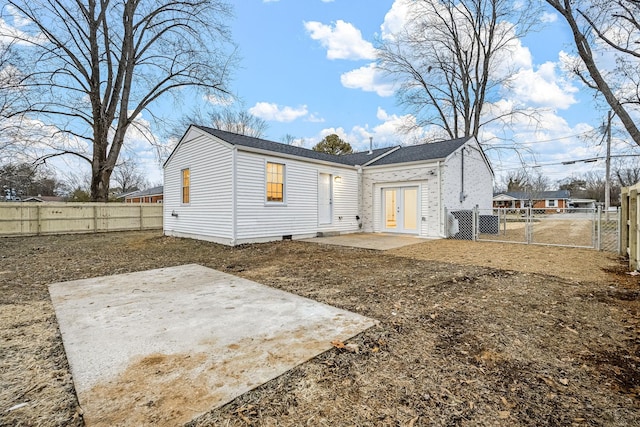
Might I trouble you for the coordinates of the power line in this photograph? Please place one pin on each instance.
(556, 139)
(569, 162)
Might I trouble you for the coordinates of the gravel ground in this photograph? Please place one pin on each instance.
(470, 333)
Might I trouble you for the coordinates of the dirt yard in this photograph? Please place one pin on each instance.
(470, 333)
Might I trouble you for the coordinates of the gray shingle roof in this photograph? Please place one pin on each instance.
(277, 147)
(536, 195)
(430, 151)
(148, 192)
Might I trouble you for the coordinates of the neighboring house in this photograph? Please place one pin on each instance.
(151, 195)
(582, 204)
(549, 201)
(41, 199)
(234, 189)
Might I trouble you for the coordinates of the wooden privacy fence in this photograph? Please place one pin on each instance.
(30, 219)
(630, 226)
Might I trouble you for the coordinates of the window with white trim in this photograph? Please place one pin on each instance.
(275, 182)
(186, 185)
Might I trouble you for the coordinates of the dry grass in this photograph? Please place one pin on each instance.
(497, 335)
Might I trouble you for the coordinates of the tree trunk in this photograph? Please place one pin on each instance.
(584, 50)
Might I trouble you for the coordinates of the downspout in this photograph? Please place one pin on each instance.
(360, 215)
(234, 195)
(441, 202)
(462, 195)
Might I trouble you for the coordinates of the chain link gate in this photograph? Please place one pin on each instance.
(580, 228)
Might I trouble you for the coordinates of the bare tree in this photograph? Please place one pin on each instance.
(231, 120)
(10, 96)
(530, 181)
(241, 122)
(616, 25)
(452, 57)
(127, 175)
(516, 180)
(98, 65)
(627, 174)
(289, 139)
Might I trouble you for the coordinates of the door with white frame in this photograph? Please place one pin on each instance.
(325, 199)
(400, 210)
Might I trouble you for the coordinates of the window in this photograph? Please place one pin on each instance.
(275, 182)
(186, 183)
(551, 203)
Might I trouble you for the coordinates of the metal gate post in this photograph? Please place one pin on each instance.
(529, 225)
(598, 228)
(618, 229)
(474, 223)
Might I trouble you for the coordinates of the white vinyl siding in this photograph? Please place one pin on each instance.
(209, 212)
(298, 217)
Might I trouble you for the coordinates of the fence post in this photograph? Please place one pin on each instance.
(633, 229)
(141, 217)
(475, 223)
(528, 225)
(598, 225)
(624, 221)
(445, 223)
(618, 228)
(39, 221)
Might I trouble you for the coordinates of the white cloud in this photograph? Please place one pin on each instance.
(512, 58)
(548, 17)
(369, 79)
(386, 133)
(395, 20)
(342, 41)
(274, 112)
(543, 87)
(313, 118)
(219, 100)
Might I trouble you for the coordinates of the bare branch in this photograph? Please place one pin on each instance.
(99, 64)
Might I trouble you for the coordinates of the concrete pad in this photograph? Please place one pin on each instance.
(161, 347)
(378, 241)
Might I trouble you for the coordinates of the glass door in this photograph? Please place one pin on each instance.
(400, 210)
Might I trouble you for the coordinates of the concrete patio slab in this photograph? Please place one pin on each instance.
(161, 347)
(378, 241)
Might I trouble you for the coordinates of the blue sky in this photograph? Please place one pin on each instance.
(306, 68)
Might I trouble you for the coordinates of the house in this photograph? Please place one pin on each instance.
(150, 195)
(547, 201)
(234, 189)
(43, 199)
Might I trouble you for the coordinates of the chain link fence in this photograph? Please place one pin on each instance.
(581, 228)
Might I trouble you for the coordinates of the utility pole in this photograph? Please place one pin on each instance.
(607, 191)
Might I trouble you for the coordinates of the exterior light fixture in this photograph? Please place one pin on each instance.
(338, 179)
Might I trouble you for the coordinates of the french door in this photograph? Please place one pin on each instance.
(400, 210)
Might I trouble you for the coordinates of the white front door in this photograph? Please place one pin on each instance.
(400, 209)
(325, 199)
